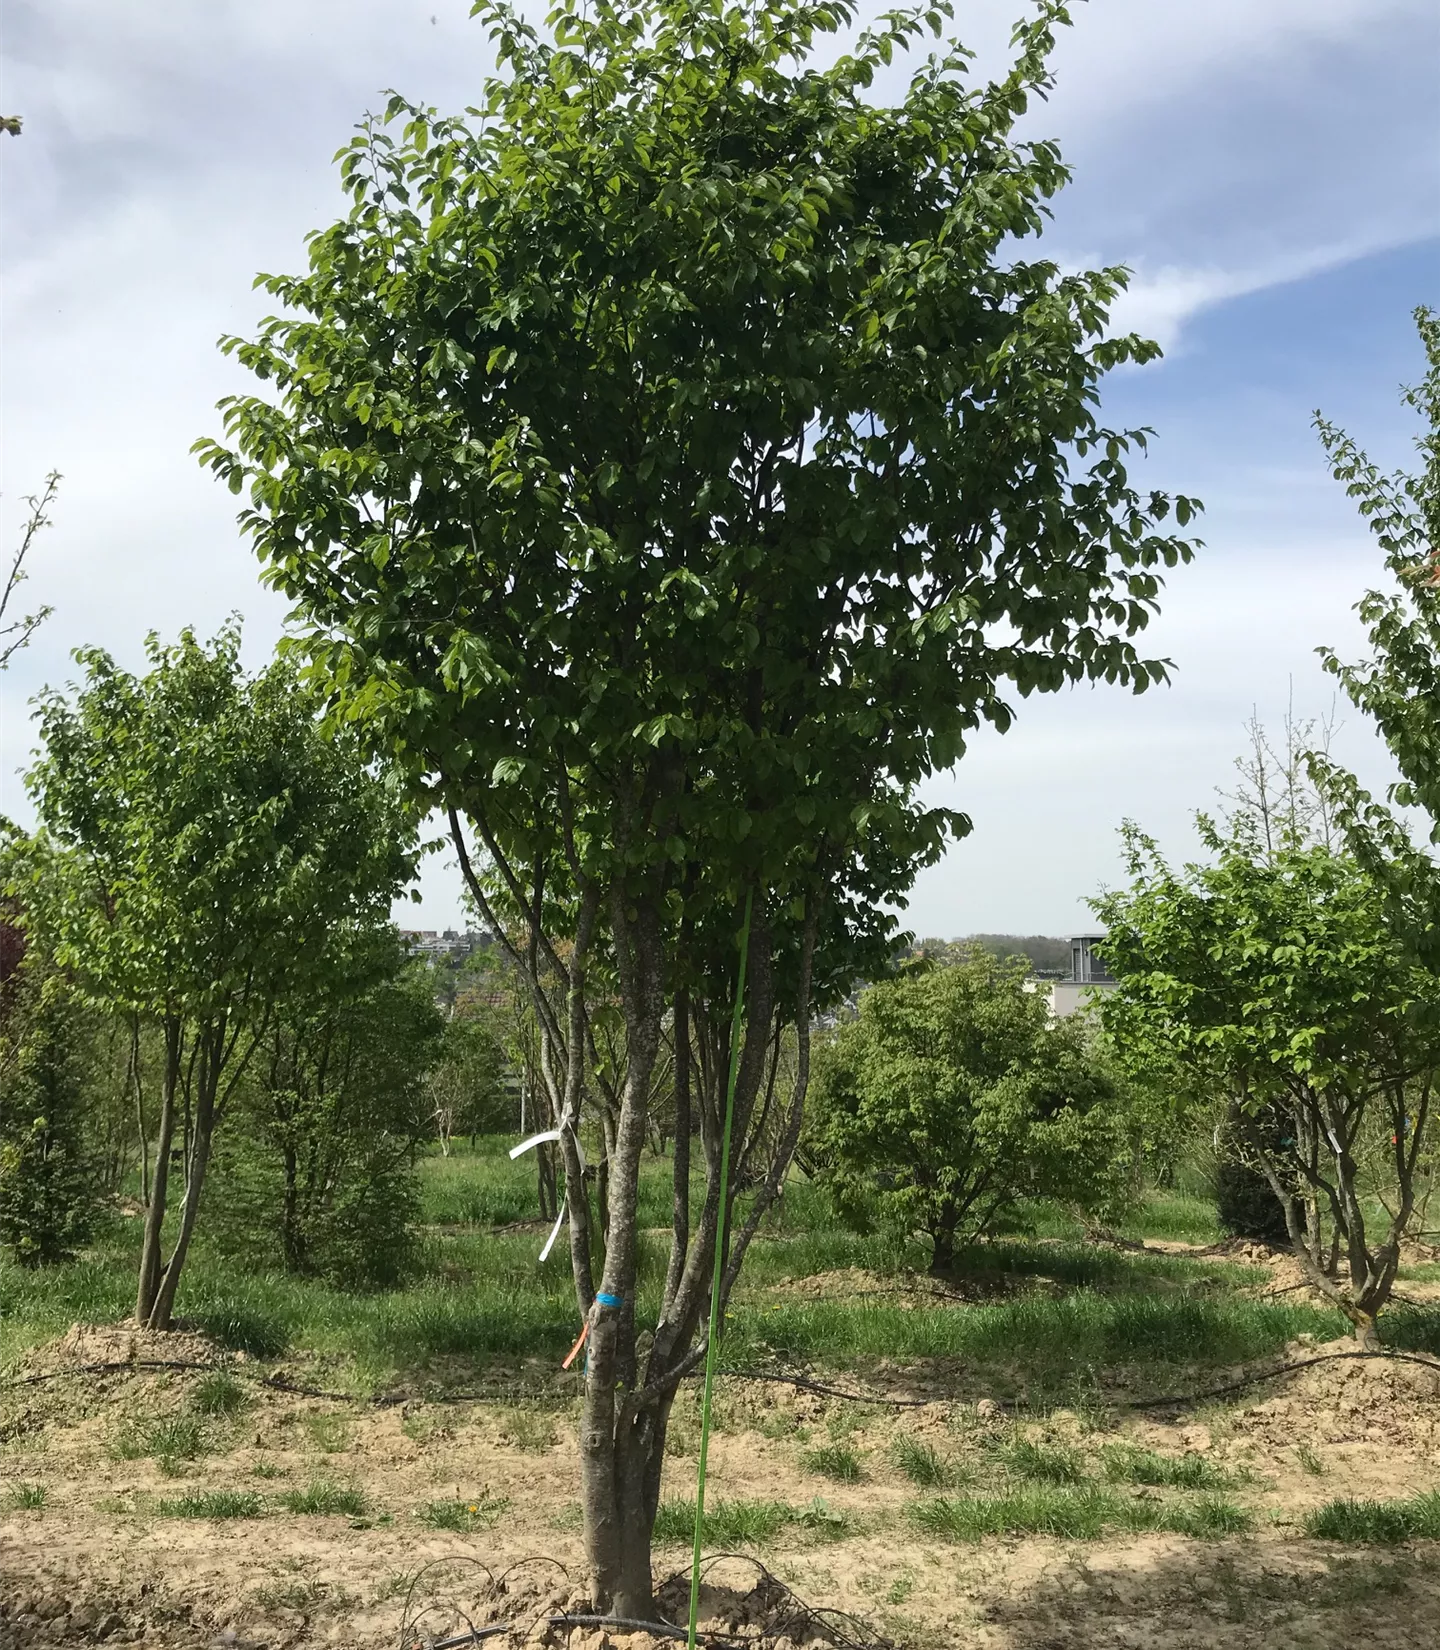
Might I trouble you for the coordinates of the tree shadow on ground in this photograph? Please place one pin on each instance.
(1160, 1595)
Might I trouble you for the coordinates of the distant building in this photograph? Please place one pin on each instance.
(1087, 978)
(434, 944)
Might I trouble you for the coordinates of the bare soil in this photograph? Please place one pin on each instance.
(100, 1562)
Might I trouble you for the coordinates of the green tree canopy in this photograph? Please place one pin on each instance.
(1276, 975)
(675, 461)
(954, 1096)
(1398, 686)
(202, 841)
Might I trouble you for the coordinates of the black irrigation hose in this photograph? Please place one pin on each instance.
(388, 1400)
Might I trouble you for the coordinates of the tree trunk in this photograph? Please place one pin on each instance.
(162, 1312)
(148, 1286)
(290, 1213)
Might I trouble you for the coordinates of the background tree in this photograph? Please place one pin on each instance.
(1279, 976)
(49, 1196)
(201, 838)
(317, 1174)
(674, 466)
(466, 1086)
(1398, 686)
(954, 1097)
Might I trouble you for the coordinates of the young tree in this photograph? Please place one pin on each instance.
(202, 837)
(954, 1096)
(49, 1197)
(674, 466)
(1398, 687)
(319, 1171)
(1278, 977)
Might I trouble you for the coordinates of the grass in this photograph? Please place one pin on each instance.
(26, 1497)
(483, 1302)
(219, 1394)
(742, 1523)
(1080, 1513)
(1128, 1464)
(212, 1504)
(324, 1498)
(330, 1434)
(922, 1463)
(1381, 1523)
(528, 1428)
(171, 1440)
(1040, 1461)
(1310, 1461)
(465, 1516)
(837, 1461)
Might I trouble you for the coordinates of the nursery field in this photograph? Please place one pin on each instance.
(1070, 1440)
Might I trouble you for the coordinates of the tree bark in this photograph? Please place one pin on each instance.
(162, 1311)
(148, 1286)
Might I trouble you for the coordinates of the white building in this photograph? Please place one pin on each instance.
(1087, 979)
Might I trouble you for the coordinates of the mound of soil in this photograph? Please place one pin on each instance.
(1350, 1400)
(85, 1344)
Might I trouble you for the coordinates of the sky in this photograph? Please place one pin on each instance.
(1268, 169)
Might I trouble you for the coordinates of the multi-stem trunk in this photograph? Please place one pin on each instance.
(197, 1162)
(616, 1436)
(151, 1265)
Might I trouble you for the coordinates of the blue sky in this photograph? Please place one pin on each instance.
(1270, 169)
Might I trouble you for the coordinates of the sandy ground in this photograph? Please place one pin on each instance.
(97, 1563)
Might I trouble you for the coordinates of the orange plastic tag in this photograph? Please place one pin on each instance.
(575, 1350)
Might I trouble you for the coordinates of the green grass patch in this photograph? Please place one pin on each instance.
(211, 1504)
(837, 1461)
(922, 1463)
(742, 1523)
(26, 1497)
(324, 1498)
(1072, 1512)
(1051, 1337)
(1128, 1464)
(219, 1394)
(1046, 1463)
(529, 1428)
(171, 1440)
(1381, 1523)
(464, 1516)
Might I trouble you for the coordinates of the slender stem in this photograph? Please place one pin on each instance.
(712, 1338)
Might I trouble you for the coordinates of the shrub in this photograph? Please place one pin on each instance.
(317, 1172)
(954, 1096)
(48, 1186)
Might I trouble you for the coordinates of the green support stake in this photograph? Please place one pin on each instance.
(712, 1340)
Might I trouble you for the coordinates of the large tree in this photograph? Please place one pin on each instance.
(674, 463)
(202, 839)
